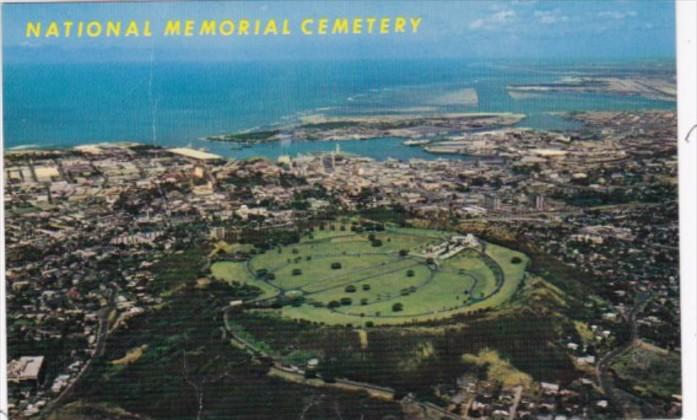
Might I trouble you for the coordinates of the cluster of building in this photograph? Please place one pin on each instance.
(452, 246)
(482, 398)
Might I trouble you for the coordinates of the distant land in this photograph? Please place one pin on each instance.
(647, 87)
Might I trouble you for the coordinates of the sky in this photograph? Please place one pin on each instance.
(529, 29)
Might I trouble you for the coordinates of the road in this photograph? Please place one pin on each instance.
(545, 216)
(516, 402)
(631, 406)
(102, 335)
(278, 370)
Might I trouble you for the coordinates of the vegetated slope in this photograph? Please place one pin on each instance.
(187, 368)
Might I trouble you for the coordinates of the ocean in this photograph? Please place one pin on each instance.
(179, 103)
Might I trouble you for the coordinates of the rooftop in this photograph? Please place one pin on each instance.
(26, 368)
(194, 154)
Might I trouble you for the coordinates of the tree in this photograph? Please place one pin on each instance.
(336, 265)
(516, 260)
(350, 289)
(366, 287)
(333, 304)
(403, 252)
(429, 261)
(297, 272)
(364, 301)
(410, 273)
(346, 301)
(397, 307)
(199, 381)
(376, 243)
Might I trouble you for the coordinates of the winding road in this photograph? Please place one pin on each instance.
(631, 406)
(279, 370)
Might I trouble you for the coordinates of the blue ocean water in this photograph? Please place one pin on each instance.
(379, 149)
(59, 105)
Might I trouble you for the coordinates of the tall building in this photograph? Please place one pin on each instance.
(492, 202)
(537, 202)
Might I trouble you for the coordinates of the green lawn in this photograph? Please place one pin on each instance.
(317, 273)
(335, 265)
(237, 272)
(385, 283)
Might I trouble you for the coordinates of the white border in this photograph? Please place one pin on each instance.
(3, 324)
(686, 44)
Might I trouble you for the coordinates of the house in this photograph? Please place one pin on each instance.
(26, 369)
(549, 389)
(586, 360)
(313, 363)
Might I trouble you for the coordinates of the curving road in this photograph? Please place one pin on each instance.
(631, 406)
(279, 370)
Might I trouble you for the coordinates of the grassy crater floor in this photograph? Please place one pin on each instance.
(340, 277)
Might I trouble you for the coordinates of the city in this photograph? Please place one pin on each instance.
(89, 230)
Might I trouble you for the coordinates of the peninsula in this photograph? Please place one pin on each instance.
(409, 127)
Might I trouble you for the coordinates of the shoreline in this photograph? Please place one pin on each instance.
(320, 127)
(429, 144)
